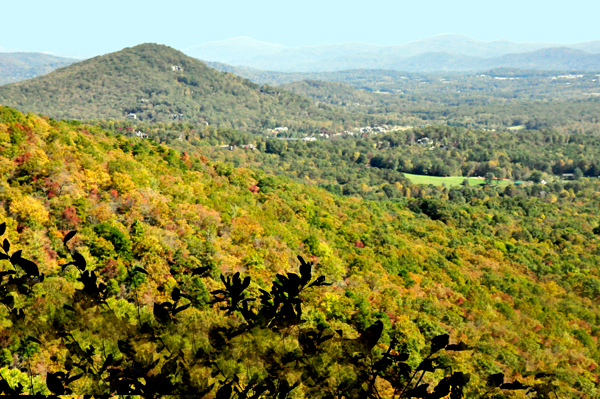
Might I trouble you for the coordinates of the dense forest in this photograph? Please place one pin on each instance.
(482, 290)
(372, 166)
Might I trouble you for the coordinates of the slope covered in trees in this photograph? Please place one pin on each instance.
(512, 276)
(157, 83)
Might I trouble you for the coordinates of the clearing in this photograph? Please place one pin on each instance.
(451, 181)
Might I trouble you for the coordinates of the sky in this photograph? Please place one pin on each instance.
(99, 27)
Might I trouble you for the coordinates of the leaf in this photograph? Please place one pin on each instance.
(176, 294)
(439, 342)
(54, 384)
(4, 256)
(371, 335)
(69, 235)
(495, 380)
(516, 385)
(75, 377)
(29, 267)
(461, 346)
(15, 257)
(33, 339)
(2, 228)
(79, 261)
(141, 270)
(418, 392)
(9, 301)
(181, 309)
(224, 392)
(305, 270)
(200, 271)
(427, 365)
(6, 245)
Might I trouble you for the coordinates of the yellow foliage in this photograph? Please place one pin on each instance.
(29, 208)
(95, 179)
(6, 165)
(122, 182)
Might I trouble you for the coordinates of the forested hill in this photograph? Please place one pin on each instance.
(158, 83)
(513, 276)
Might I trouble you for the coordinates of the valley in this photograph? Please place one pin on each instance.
(189, 228)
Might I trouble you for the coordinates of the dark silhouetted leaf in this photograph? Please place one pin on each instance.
(495, 380)
(6, 245)
(54, 383)
(418, 392)
(461, 346)
(439, 342)
(371, 335)
(15, 257)
(176, 294)
(181, 309)
(79, 261)
(140, 270)
(427, 365)
(224, 392)
(516, 385)
(69, 235)
(29, 267)
(33, 339)
(2, 229)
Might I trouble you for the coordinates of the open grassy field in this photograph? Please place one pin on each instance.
(450, 181)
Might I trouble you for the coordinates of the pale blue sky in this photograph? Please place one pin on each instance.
(80, 27)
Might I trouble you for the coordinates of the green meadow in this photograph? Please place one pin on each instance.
(451, 181)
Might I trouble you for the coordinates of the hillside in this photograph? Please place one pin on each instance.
(157, 83)
(513, 276)
(15, 67)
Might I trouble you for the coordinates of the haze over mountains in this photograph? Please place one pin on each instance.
(20, 66)
(449, 52)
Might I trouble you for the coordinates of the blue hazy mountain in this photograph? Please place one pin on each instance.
(448, 52)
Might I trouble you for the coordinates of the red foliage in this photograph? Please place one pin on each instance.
(254, 189)
(51, 253)
(460, 301)
(52, 187)
(359, 244)
(70, 216)
(21, 159)
(114, 194)
(185, 157)
(20, 228)
(110, 270)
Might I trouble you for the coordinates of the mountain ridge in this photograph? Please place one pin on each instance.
(244, 51)
(19, 66)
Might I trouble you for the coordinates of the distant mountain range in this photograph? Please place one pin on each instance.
(20, 66)
(449, 52)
